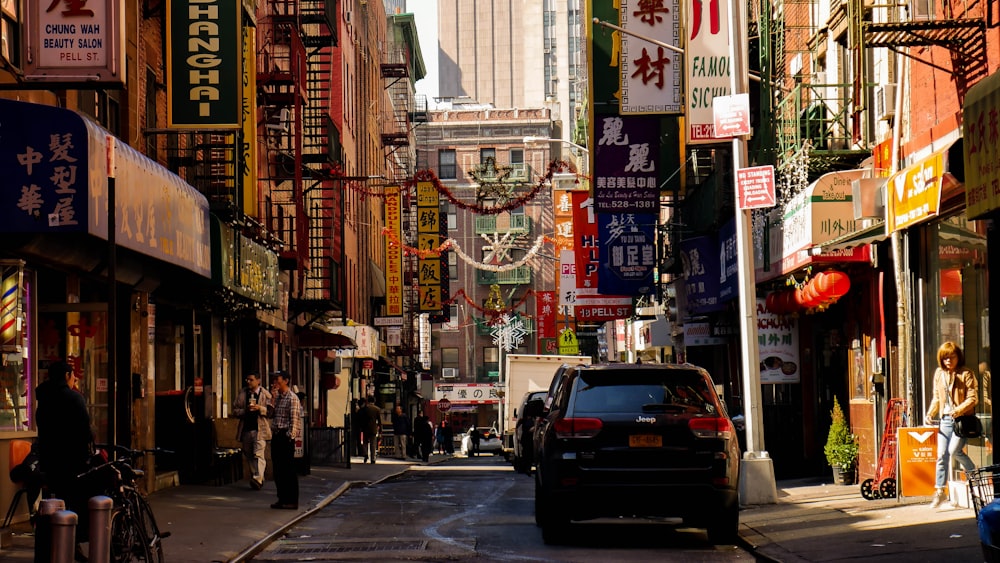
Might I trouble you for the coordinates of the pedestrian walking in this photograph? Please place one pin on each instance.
(448, 434)
(423, 435)
(955, 395)
(439, 437)
(286, 428)
(253, 430)
(370, 426)
(400, 431)
(474, 438)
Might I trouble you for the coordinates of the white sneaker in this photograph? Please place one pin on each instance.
(939, 497)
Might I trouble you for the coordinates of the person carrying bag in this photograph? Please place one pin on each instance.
(955, 397)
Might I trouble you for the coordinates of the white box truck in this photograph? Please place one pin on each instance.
(524, 373)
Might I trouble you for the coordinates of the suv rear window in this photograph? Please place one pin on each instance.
(643, 390)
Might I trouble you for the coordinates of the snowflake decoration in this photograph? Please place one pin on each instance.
(509, 333)
(499, 245)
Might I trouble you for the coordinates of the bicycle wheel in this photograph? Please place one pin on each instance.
(144, 514)
(128, 541)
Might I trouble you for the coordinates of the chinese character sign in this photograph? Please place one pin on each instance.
(545, 315)
(778, 343)
(700, 262)
(708, 64)
(628, 253)
(393, 254)
(627, 150)
(981, 134)
(650, 74)
(76, 41)
(429, 267)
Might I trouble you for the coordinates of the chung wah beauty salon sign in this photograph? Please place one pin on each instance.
(74, 42)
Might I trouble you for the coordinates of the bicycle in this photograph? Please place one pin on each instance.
(135, 535)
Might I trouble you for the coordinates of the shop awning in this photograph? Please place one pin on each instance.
(315, 339)
(58, 162)
(867, 235)
(797, 234)
(914, 194)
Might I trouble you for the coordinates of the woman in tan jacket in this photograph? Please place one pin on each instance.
(955, 394)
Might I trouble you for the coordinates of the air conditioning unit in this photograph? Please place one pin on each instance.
(280, 121)
(449, 373)
(885, 102)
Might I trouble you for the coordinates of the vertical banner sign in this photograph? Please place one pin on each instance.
(589, 305)
(393, 254)
(707, 64)
(545, 313)
(203, 64)
(563, 204)
(74, 41)
(628, 253)
(586, 249)
(625, 172)
(428, 239)
(650, 74)
(728, 282)
(567, 278)
(982, 147)
(248, 150)
(701, 267)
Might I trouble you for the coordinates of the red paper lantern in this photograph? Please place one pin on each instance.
(788, 301)
(771, 303)
(835, 284)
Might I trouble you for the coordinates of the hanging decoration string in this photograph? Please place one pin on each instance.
(452, 244)
(483, 310)
(555, 167)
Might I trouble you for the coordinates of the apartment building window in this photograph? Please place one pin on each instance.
(517, 156)
(452, 267)
(452, 218)
(486, 154)
(491, 364)
(449, 357)
(447, 165)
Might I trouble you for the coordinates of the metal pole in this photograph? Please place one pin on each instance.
(757, 484)
(112, 292)
(43, 528)
(100, 529)
(64, 536)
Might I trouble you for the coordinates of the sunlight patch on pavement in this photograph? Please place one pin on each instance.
(463, 468)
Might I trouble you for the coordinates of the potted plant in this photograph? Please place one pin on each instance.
(841, 447)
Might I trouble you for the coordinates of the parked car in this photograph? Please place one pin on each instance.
(646, 440)
(523, 456)
(489, 441)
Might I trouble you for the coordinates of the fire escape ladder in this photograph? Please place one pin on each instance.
(396, 128)
(281, 79)
(320, 141)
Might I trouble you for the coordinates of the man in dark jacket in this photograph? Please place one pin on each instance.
(400, 431)
(370, 425)
(423, 435)
(65, 441)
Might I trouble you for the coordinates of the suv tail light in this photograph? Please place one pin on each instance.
(713, 427)
(577, 427)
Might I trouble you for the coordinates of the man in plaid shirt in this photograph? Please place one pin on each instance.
(286, 428)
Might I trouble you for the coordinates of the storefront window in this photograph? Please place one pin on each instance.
(957, 305)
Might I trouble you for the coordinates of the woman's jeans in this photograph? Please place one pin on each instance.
(948, 445)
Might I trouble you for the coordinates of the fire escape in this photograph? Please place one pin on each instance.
(295, 41)
(404, 112)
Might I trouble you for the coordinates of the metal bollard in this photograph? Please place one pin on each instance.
(100, 529)
(43, 528)
(63, 536)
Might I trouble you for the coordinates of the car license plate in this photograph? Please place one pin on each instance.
(645, 441)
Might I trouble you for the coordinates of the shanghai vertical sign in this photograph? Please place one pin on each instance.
(203, 64)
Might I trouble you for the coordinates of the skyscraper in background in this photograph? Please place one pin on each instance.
(514, 54)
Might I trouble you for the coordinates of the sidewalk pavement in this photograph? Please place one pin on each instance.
(811, 521)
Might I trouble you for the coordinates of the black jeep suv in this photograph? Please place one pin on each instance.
(646, 440)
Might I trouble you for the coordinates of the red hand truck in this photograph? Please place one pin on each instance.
(884, 483)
